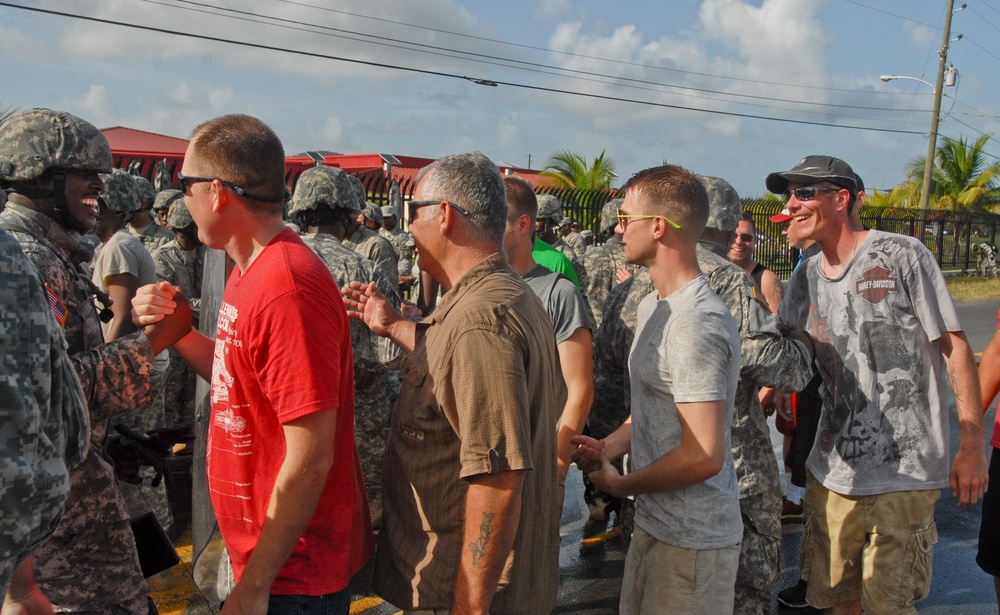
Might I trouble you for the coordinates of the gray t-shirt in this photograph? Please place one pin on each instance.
(562, 300)
(686, 350)
(884, 423)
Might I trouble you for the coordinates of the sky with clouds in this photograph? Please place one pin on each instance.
(732, 88)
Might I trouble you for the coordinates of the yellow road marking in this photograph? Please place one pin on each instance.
(362, 605)
(599, 538)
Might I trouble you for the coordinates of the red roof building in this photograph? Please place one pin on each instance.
(141, 151)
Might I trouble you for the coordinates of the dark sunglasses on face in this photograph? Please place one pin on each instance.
(413, 206)
(808, 193)
(744, 237)
(184, 183)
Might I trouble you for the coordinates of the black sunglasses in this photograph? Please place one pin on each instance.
(808, 193)
(184, 183)
(413, 206)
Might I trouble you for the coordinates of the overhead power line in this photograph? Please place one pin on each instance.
(536, 67)
(445, 74)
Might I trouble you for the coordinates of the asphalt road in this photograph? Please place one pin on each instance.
(592, 554)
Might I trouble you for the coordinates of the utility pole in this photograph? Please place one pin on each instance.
(925, 192)
(529, 161)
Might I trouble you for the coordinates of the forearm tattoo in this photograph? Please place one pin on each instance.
(478, 548)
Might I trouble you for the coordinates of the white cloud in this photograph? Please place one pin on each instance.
(98, 106)
(921, 37)
(552, 8)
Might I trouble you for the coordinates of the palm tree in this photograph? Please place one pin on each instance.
(6, 113)
(961, 180)
(572, 171)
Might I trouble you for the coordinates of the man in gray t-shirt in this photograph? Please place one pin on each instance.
(566, 309)
(684, 367)
(887, 339)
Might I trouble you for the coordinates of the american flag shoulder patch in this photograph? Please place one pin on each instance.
(58, 308)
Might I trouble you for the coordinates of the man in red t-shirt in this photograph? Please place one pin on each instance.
(988, 557)
(283, 470)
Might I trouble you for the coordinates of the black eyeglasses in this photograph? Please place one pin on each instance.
(744, 237)
(413, 206)
(808, 193)
(184, 183)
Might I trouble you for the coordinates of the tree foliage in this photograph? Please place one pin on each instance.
(962, 178)
(571, 170)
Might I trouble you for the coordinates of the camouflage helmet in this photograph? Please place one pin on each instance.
(724, 206)
(373, 212)
(40, 139)
(164, 198)
(329, 186)
(359, 189)
(549, 208)
(609, 215)
(146, 192)
(179, 217)
(120, 193)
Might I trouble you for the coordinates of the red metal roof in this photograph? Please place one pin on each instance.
(132, 142)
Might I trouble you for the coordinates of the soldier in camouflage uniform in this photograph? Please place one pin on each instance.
(603, 261)
(572, 238)
(123, 265)
(769, 358)
(180, 262)
(141, 224)
(324, 203)
(49, 165)
(375, 248)
(546, 229)
(371, 216)
(43, 420)
(161, 206)
(401, 242)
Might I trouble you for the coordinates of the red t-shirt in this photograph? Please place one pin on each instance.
(283, 351)
(995, 441)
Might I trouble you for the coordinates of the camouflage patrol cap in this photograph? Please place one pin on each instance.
(388, 211)
(146, 192)
(609, 215)
(164, 198)
(587, 233)
(549, 208)
(179, 217)
(373, 212)
(724, 206)
(35, 141)
(324, 185)
(120, 193)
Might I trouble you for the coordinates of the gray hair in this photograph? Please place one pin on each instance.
(472, 182)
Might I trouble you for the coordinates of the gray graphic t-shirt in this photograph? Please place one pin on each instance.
(686, 350)
(884, 424)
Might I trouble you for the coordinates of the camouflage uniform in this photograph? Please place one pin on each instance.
(575, 241)
(182, 268)
(402, 243)
(768, 359)
(90, 563)
(377, 249)
(43, 417)
(371, 387)
(322, 189)
(152, 237)
(602, 264)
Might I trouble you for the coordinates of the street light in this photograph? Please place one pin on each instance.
(925, 192)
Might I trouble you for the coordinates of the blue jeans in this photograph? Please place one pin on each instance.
(338, 603)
